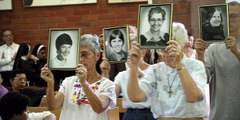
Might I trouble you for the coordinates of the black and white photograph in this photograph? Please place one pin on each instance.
(38, 3)
(116, 43)
(63, 48)
(5, 5)
(154, 25)
(214, 22)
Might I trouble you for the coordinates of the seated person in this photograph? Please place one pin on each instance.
(18, 81)
(3, 90)
(13, 106)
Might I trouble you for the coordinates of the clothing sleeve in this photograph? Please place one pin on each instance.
(3, 60)
(39, 115)
(108, 89)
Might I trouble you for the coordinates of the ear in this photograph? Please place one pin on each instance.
(97, 56)
(11, 82)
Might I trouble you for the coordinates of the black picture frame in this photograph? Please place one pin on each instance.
(66, 40)
(213, 22)
(113, 52)
(147, 26)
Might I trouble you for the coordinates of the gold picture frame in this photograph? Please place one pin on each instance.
(63, 48)
(116, 43)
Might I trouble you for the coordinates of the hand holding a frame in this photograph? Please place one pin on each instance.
(200, 45)
(47, 75)
(81, 72)
(231, 43)
(105, 66)
(135, 54)
(174, 51)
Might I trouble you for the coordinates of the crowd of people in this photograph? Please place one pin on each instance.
(171, 88)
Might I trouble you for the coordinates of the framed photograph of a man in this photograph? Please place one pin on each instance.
(63, 48)
(154, 25)
(116, 43)
(213, 22)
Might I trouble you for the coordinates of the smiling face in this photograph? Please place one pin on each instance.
(216, 19)
(117, 44)
(156, 21)
(64, 50)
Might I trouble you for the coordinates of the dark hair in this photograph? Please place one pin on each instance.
(63, 39)
(15, 72)
(38, 48)
(114, 34)
(156, 10)
(22, 51)
(5, 31)
(13, 103)
(211, 11)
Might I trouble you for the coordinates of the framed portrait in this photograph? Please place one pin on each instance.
(213, 22)
(116, 44)
(154, 25)
(38, 3)
(5, 5)
(63, 48)
(125, 1)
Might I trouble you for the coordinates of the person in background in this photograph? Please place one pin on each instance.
(175, 86)
(39, 55)
(8, 53)
(188, 49)
(213, 26)
(19, 80)
(3, 90)
(222, 63)
(155, 35)
(13, 106)
(86, 95)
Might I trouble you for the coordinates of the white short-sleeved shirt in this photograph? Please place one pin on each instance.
(75, 105)
(121, 79)
(156, 84)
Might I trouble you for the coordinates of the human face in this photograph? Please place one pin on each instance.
(216, 19)
(8, 37)
(64, 50)
(117, 44)
(19, 81)
(88, 58)
(42, 54)
(234, 17)
(156, 22)
(22, 116)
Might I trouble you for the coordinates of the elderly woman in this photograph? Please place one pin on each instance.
(87, 95)
(176, 85)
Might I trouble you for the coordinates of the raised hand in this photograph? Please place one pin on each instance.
(135, 54)
(47, 75)
(174, 51)
(81, 72)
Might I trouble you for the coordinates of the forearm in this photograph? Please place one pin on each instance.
(5, 61)
(51, 101)
(200, 56)
(105, 74)
(237, 54)
(96, 103)
(191, 90)
(134, 91)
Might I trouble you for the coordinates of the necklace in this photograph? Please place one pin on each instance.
(170, 85)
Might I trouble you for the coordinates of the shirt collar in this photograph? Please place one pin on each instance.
(149, 35)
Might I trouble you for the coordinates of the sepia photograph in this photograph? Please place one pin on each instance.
(63, 48)
(5, 5)
(38, 3)
(154, 25)
(214, 22)
(125, 1)
(116, 43)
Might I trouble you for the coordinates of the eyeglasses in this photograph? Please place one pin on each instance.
(25, 79)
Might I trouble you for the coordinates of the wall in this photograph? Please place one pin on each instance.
(31, 25)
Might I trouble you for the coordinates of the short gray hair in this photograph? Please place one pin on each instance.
(179, 33)
(92, 41)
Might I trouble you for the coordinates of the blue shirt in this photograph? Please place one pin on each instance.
(156, 85)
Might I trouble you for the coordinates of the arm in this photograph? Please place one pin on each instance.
(98, 104)
(231, 43)
(105, 66)
(117, 90)
(53, 101)
(200, 46)
(192, 92)
(134, 91)
(4, 60)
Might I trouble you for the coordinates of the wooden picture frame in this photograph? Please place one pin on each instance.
(116, 43)
(39, 3)
(213, 22)
(154, 25)
(5, 5)
(126, 1)
(63, 48)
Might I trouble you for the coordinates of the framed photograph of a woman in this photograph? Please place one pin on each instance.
(154, 25)
(63, 48)
(214, 22)
(116, 44)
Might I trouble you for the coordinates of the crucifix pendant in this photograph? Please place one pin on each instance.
(170, 92)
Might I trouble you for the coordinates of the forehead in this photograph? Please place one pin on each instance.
(156, 15)
(85, 49)
(20, 75)
(7, 32)
(216, 13)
